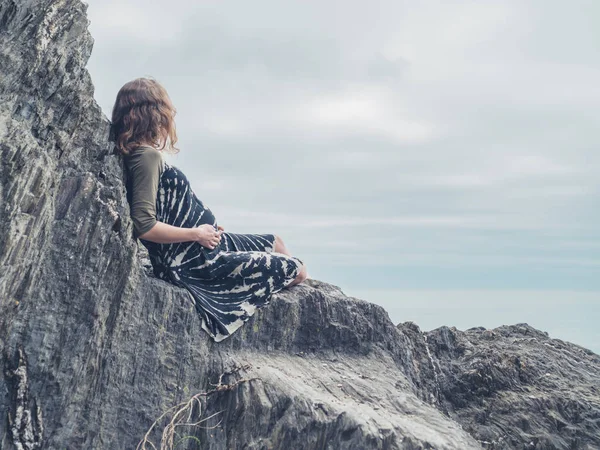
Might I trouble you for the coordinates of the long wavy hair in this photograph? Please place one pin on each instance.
(143, 114)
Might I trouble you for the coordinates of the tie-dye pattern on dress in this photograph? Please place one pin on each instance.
(227, 283)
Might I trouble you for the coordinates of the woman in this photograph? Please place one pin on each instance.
(229, 275)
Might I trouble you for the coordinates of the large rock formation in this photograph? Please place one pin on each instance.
(94, 349)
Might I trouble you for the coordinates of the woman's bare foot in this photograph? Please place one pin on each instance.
(302, 275)
(281, 248)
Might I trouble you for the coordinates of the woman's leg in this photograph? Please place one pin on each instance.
(302, 275)
(244, 242)
(281, 248)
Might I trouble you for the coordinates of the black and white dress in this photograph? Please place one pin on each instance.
(227, 283)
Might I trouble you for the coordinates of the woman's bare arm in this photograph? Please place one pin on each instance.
(163, 233)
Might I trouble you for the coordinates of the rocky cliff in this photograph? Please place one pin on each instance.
(94, 349)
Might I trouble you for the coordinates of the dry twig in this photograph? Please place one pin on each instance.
(181, 409)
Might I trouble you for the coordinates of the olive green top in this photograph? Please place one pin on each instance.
(145, 165)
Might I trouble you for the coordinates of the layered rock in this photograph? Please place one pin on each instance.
(94, 349)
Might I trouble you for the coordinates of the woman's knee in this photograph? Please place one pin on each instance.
(280, 246)
(302, 275)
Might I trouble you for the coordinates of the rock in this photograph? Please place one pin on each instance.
(94, 348)
(518, 388)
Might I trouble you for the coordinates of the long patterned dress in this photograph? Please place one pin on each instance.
(227, 283)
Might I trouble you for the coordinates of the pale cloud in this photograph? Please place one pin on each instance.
(436, 32)
(363, 110)
(133, 20)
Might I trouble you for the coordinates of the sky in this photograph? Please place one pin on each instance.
(436, 157)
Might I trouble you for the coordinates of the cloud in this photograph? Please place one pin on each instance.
(429, 132)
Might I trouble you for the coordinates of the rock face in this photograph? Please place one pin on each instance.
(94, 349)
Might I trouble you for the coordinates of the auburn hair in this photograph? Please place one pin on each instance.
(143, 114)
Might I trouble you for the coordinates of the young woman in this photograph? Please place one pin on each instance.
(229, 275)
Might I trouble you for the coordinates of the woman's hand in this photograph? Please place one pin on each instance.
(207, 236)
(220, 228)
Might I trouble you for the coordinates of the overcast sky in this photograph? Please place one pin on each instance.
(394, 145)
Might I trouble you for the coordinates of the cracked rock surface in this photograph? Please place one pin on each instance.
(94, 349)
